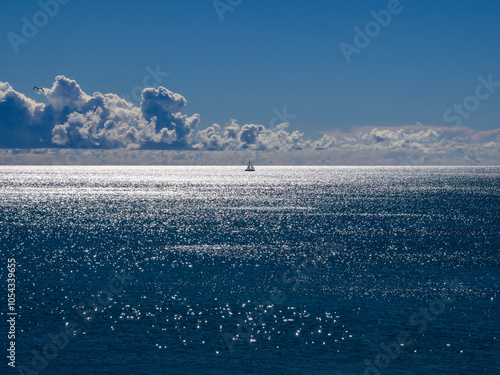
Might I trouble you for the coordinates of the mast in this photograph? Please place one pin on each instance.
(250, 166)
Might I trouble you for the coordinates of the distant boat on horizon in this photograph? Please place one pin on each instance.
(250, 167)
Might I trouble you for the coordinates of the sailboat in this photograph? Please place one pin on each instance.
(250, 167)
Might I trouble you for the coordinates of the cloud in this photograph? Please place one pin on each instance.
(23, 122)
(423, 145)
(163, 108)
(66, 94)
(258, 138)
(72, 118)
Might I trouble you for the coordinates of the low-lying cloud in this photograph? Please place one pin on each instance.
(258, 138)
(72, 119)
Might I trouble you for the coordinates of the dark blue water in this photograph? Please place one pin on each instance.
(211, 270)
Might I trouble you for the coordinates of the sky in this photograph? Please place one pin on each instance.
(370, 76)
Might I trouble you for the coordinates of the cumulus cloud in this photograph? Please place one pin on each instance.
(66, 94)
(257, 137)
(163, 107)
(72, 118)
(23, 122)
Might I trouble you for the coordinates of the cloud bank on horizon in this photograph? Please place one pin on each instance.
(73, 119)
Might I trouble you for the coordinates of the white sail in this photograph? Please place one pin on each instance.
(250, 166)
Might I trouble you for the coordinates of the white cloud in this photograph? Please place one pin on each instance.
(257, 137)
(66, 93)
(102, 121)
(74, 119)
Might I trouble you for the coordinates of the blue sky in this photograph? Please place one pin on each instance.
(265, 55)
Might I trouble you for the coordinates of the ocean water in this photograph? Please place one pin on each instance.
(286, 270)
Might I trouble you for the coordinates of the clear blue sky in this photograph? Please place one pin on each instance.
(268, 54)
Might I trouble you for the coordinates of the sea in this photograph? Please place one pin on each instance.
(214, 270)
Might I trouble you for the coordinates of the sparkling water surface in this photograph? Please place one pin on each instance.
(285, 270)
